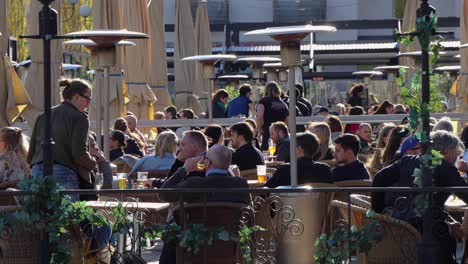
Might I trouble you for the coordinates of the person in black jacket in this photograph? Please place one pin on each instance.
(308, 171)
(246, 156)
(302, 99)
(356, 95)
(348, 166)
(400, 174)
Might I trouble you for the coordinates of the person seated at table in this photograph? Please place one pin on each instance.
(103, 165)
(216, 175)
(325, 149)
(215, 135)
(400, 174)
(308, 170)
(193, 144)
(13, 152)
(184, 114)
(279, 133)
(165, 149)
(246, 156)
(365, 138)
(348, 167)
(132, 122)
(253, 124)
(116, 145)
(216, 163)
(134, 146)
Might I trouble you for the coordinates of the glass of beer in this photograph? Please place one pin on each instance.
(99, 180)
(201, 163)
(122, 180)
(271, 147)
(262, 173)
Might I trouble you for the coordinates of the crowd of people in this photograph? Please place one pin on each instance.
(194, 157)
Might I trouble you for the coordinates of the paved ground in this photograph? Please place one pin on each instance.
(151, 255)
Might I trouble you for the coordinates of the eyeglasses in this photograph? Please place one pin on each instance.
(86, 97)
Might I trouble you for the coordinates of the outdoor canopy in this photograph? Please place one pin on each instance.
(184, 46)
(203, 47)
(13, 97)
(34, 82)
(409, 22)
(137, 60)
(158, 76)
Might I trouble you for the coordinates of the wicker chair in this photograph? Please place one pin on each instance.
(214, 215)
(361, 200)
(399, 241)
(351, 183)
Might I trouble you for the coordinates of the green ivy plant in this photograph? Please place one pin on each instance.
(49, 212)
(336, 247)
(196, 236)
(232, 91)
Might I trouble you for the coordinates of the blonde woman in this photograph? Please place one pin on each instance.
(326, 149)
(165, 149)
(13, 154)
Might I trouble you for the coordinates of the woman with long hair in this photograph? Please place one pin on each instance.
(385, 108)
(356, 92)
(215, 135)
(399, 134)
(70, 134)
(270, 109)
(219, 102)
(13, 152)
(336, 127)
(382, 140)
(326, 149)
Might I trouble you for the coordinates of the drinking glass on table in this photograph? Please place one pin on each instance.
(142, 176)
(261, 173)
(99, 181)
(271, 147)
(122, 181)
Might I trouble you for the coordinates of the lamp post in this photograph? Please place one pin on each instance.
(392, 71)
(290, 42)
(366, 78)
(102, 44)
(208, 62)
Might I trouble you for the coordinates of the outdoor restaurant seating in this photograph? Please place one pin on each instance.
(399, 240)
(214, 215)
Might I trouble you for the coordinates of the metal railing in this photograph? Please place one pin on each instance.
(271, 201)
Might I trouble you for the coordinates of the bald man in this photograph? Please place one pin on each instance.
(132, 122)
(216, 161)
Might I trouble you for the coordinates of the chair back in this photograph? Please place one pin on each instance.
(249, 174)
(399, 241)
(213, 215)
(361, 200)
(351, 183)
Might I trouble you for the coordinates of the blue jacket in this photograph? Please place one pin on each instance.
(238, 106)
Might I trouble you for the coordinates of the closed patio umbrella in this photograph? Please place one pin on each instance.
(203, 47)
(158, 74)
(409, 23)
(137, 60)
(34, 82)
(184, 46)
(13, 97)
(462, 93)
(108, 15)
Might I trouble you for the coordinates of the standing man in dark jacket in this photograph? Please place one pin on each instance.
(241, 104)
(348, 167)
(302, 99)
(246, 156)
(308, 171)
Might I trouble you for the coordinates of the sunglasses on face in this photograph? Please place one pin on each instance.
(85, 97)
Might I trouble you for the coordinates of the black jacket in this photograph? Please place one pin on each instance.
(283, 151)
(180, 179)
(308, 171)
(247, 157)
(352, 171)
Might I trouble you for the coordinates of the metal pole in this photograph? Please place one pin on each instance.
(210, 95)
(292, 123)
(47, 31)
(106, 89)
(99, 103)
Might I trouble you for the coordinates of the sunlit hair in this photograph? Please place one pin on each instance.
(272, 89)
(15, 141)
(323, 133)
(165, 142)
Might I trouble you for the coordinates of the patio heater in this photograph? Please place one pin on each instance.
(290, 43)
(208, 62)
(366, 78)
(233, 79)
(276, 72)
(256, 63)
(102, 44)
(392, 72)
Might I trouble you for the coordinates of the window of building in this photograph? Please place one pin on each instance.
(291, 11)
(217, 11)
